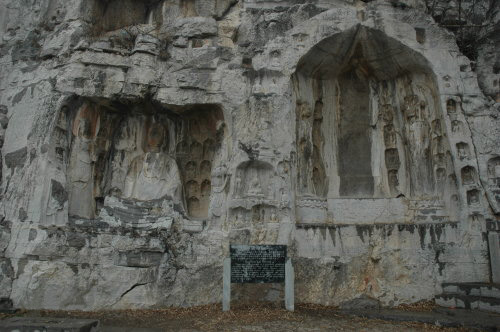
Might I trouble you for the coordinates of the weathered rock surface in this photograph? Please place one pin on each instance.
(141, 138)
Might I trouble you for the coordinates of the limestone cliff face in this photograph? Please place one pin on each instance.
(142, 137)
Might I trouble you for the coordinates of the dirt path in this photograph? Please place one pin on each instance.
(243, 317)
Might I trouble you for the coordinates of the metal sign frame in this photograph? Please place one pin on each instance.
(258, 264)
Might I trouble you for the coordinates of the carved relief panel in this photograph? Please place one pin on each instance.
(138, 153)
(380, 134)
(197, 146)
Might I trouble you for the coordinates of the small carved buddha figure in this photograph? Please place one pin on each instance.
(155, 174)
(254, 188)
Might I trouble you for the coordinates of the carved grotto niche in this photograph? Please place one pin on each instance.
(112, 15)
(469, 175)
(258, 193)
(451, 106)
(120, 150)
(494, 171)
(473, 197)
(253, 179)
(198, 135)
(137, 152)
(463, 150)
(379, 134)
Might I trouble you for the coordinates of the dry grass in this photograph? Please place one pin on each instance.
(243, 317)
(419, 306)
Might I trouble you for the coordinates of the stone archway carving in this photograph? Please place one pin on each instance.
(368, 127)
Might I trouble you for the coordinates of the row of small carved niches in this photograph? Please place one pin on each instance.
(468, 173)
(494, 180)
(391, 154)
(311, 175)
(195, 151)
(412, 128)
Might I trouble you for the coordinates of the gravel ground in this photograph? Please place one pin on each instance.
(243, 317)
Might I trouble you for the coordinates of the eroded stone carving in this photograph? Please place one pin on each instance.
(196, 152)
(451, 106)
(494, 179)
(120, 171)
(137, 156)
(152, 176)
(473, 197)
(463, 150)
(253, 179)
(469, 175)
(81, 163)
(382, 132)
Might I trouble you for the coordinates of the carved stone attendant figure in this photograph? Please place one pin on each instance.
(418, 136)
(220, 180)
(80, 172)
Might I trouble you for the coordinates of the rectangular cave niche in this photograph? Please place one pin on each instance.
(139, 153)
(196, 149)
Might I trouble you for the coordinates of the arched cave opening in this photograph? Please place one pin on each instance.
(369, 127)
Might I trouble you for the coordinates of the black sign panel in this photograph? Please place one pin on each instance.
(258, 263)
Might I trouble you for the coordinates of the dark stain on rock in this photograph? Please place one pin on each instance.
(55, 232)
(323, 232)
(361, 229)
(333, 232)
(389, 229)
(439, 231)
(75, 240)
(27, 49)
(428, 211)
(22, 214)
(409, 228)
(439, 249)
(32, 234)
(100, 81)
(73, 268)
(58, 192)
(432, 234)
(421, 232)
(16, 158)
(138, 258)
(32, 155)
(484, 236)
(19, 96)
(79, 82)
(7, 269)
(21, 264)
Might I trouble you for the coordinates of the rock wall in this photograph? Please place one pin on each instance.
(141, 138)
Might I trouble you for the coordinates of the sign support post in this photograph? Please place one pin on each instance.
(289, 286)
(226, 285)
